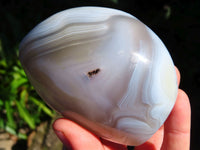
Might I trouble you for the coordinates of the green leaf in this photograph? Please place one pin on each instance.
(9, 114)
(1, 102)
(42, 106)
(2, 71)
(23, 97)
(16, 83)
(22, 136)
(3, 63)
(1, 123)
(25, 115)
(10, 130)
(19, 70)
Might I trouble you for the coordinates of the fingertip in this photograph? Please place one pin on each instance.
(178, 75)
(60, 132)
(177, 126)
(180, 116)
(183, 96)
(58, 124)
(182, 103)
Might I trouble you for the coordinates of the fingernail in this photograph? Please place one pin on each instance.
(64, 140)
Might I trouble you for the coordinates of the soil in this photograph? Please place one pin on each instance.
(42, 138)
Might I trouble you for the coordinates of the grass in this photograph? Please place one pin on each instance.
(20, 106)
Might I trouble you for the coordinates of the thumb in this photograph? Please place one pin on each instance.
(74, 136)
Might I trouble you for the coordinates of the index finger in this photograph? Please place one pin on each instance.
(178, 75)
(177, 126)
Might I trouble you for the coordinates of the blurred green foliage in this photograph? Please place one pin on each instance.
(20, 106)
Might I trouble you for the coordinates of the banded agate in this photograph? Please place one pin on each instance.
(104, 69)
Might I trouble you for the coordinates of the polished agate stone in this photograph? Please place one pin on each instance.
(104, 69)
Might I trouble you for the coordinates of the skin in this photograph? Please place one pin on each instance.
(173, 135)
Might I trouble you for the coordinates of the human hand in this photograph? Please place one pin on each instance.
(173, 135)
